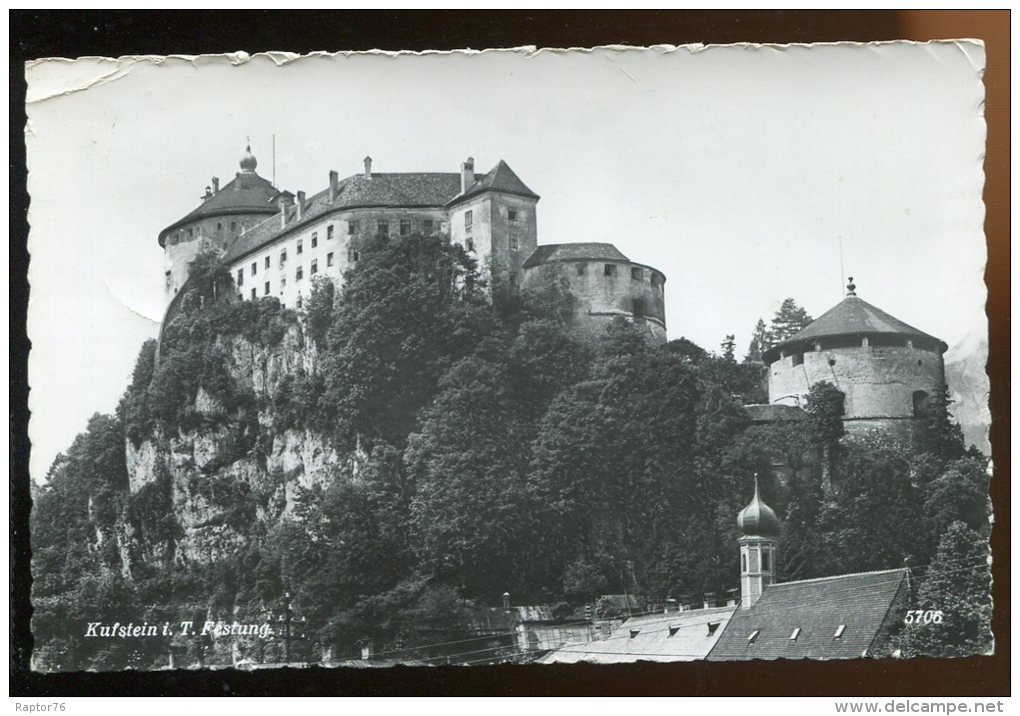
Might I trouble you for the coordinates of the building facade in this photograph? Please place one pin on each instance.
(277, 243)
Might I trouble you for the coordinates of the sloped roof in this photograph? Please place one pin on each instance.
(500, 178)
(588, 251)
(246, 193)
(678, 636)
(860, 602)
(854, 316)
(418, 190)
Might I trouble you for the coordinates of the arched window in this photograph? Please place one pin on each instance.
(922, 403)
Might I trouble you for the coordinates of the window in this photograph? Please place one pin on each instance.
(766, 560)
(639, 307)
(329, 259)
(796, 633)
(743, 562)
(637, 274)
(299, 274)
(839, 631)
(610, 270)
(315, 267)
(299, 300)
(922, 403)
(469, 244)
(300, 248)
(382, 228)
(511, 215)
(513, 280)
(233, 226)
(219, 226)
(253, 293)
(405, 227)
(240, 277)
(427, 224)
(315, 239)
(514, 243)
(267, 262)
(254, 267)
(329, 232)
(753, 636)
(283, 257)
(353, 227)
(352, 255)
(798, 359)
(634, 633)
(582, 269)
(266, 291)
(469, 220)
(673, 630)
(283, 282)
(712, 627)
(191, 232)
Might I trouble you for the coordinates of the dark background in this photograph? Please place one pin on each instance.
(75, 34)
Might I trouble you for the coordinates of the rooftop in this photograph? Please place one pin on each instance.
(500, 178)
(589, 251)
(827, 618)
(677, 636)
(246, 193)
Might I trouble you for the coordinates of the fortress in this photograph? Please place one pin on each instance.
(276, 243)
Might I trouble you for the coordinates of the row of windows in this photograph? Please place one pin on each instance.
(190, 233)
(382, 228)
(610, 270)
(838, 634)
(469, 219)
(352, 256)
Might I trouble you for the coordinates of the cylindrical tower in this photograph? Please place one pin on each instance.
(887, 370)
(224, 214)
(605, 284)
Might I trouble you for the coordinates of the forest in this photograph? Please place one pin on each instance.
(505, 450)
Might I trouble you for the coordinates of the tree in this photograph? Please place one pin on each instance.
(825, 406)
(761, 341)
(728, 347)
(788, 321)
(957, 584)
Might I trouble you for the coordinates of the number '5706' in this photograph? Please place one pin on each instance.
(923, 616)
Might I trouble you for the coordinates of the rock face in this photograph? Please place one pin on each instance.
(234, 474)
(968, 387)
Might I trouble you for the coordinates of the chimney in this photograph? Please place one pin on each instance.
(368, 167)
(367, 649)
(710, 600)
(300, 205)
(334, 185)
(286, 201)
(215, 185)
(467, 175)
(208, 193)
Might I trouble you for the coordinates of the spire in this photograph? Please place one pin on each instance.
(248, 161)
(851, 287)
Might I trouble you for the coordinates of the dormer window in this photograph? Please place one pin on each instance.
(634, 633)
(712, 627)
(753, 636)
(839, 631)
(795, 634)
(673, 629)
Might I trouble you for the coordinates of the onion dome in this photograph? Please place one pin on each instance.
(758, 518)
(248, 161)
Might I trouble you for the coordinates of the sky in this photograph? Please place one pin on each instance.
(746, 174)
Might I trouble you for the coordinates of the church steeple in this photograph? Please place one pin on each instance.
(759, 528)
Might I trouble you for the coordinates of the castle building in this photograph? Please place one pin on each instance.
(887, 370)
(276, 242)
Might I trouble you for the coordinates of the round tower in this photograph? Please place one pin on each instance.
(888, 371)
(759, 530)
(605, 283)
(224, 214)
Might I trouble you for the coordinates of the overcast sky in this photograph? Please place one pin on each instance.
(734, 170)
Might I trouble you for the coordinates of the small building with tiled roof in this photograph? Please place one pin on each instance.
(276, 243)
(887, 370)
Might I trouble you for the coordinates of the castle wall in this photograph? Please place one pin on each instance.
(183, 244)
(627, 289)
(331, 256)
(878, 381)
(503, 232)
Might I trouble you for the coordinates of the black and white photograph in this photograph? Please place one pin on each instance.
(520, 356)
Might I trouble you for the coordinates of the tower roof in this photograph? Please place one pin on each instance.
(853, 316)
(585, 251)
(500, 178)
(758, 518)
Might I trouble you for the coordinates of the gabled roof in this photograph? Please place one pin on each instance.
(677, 636)
(247, 193)
(853, 316)
(589, 251)
(818, 607)
(500, 178)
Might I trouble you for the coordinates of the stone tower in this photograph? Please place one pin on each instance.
(759, 528)
(887, 370)
(224, 214)
(494, 218)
